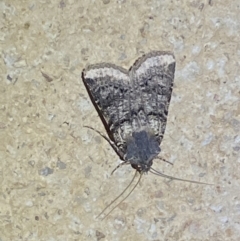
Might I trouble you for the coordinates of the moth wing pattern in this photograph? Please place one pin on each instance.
(108, 87)
(128, 101)
(152, 77)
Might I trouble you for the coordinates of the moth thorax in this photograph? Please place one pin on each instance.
(142, 148)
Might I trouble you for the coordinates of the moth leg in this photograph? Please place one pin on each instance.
(111, 143)
(121, 164)
(162, 159)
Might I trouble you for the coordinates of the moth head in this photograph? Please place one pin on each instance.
(142, 148)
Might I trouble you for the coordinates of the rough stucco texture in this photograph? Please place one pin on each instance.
(55, 175)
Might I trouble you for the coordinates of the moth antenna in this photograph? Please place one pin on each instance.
(126, 196)
(155, 172)
(162, 159)
(119, 153)
(120, 196)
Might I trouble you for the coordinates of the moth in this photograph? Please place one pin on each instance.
(133, 106)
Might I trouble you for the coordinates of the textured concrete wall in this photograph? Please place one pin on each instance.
(55, 174)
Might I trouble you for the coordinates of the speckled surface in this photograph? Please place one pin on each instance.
(55, 174)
